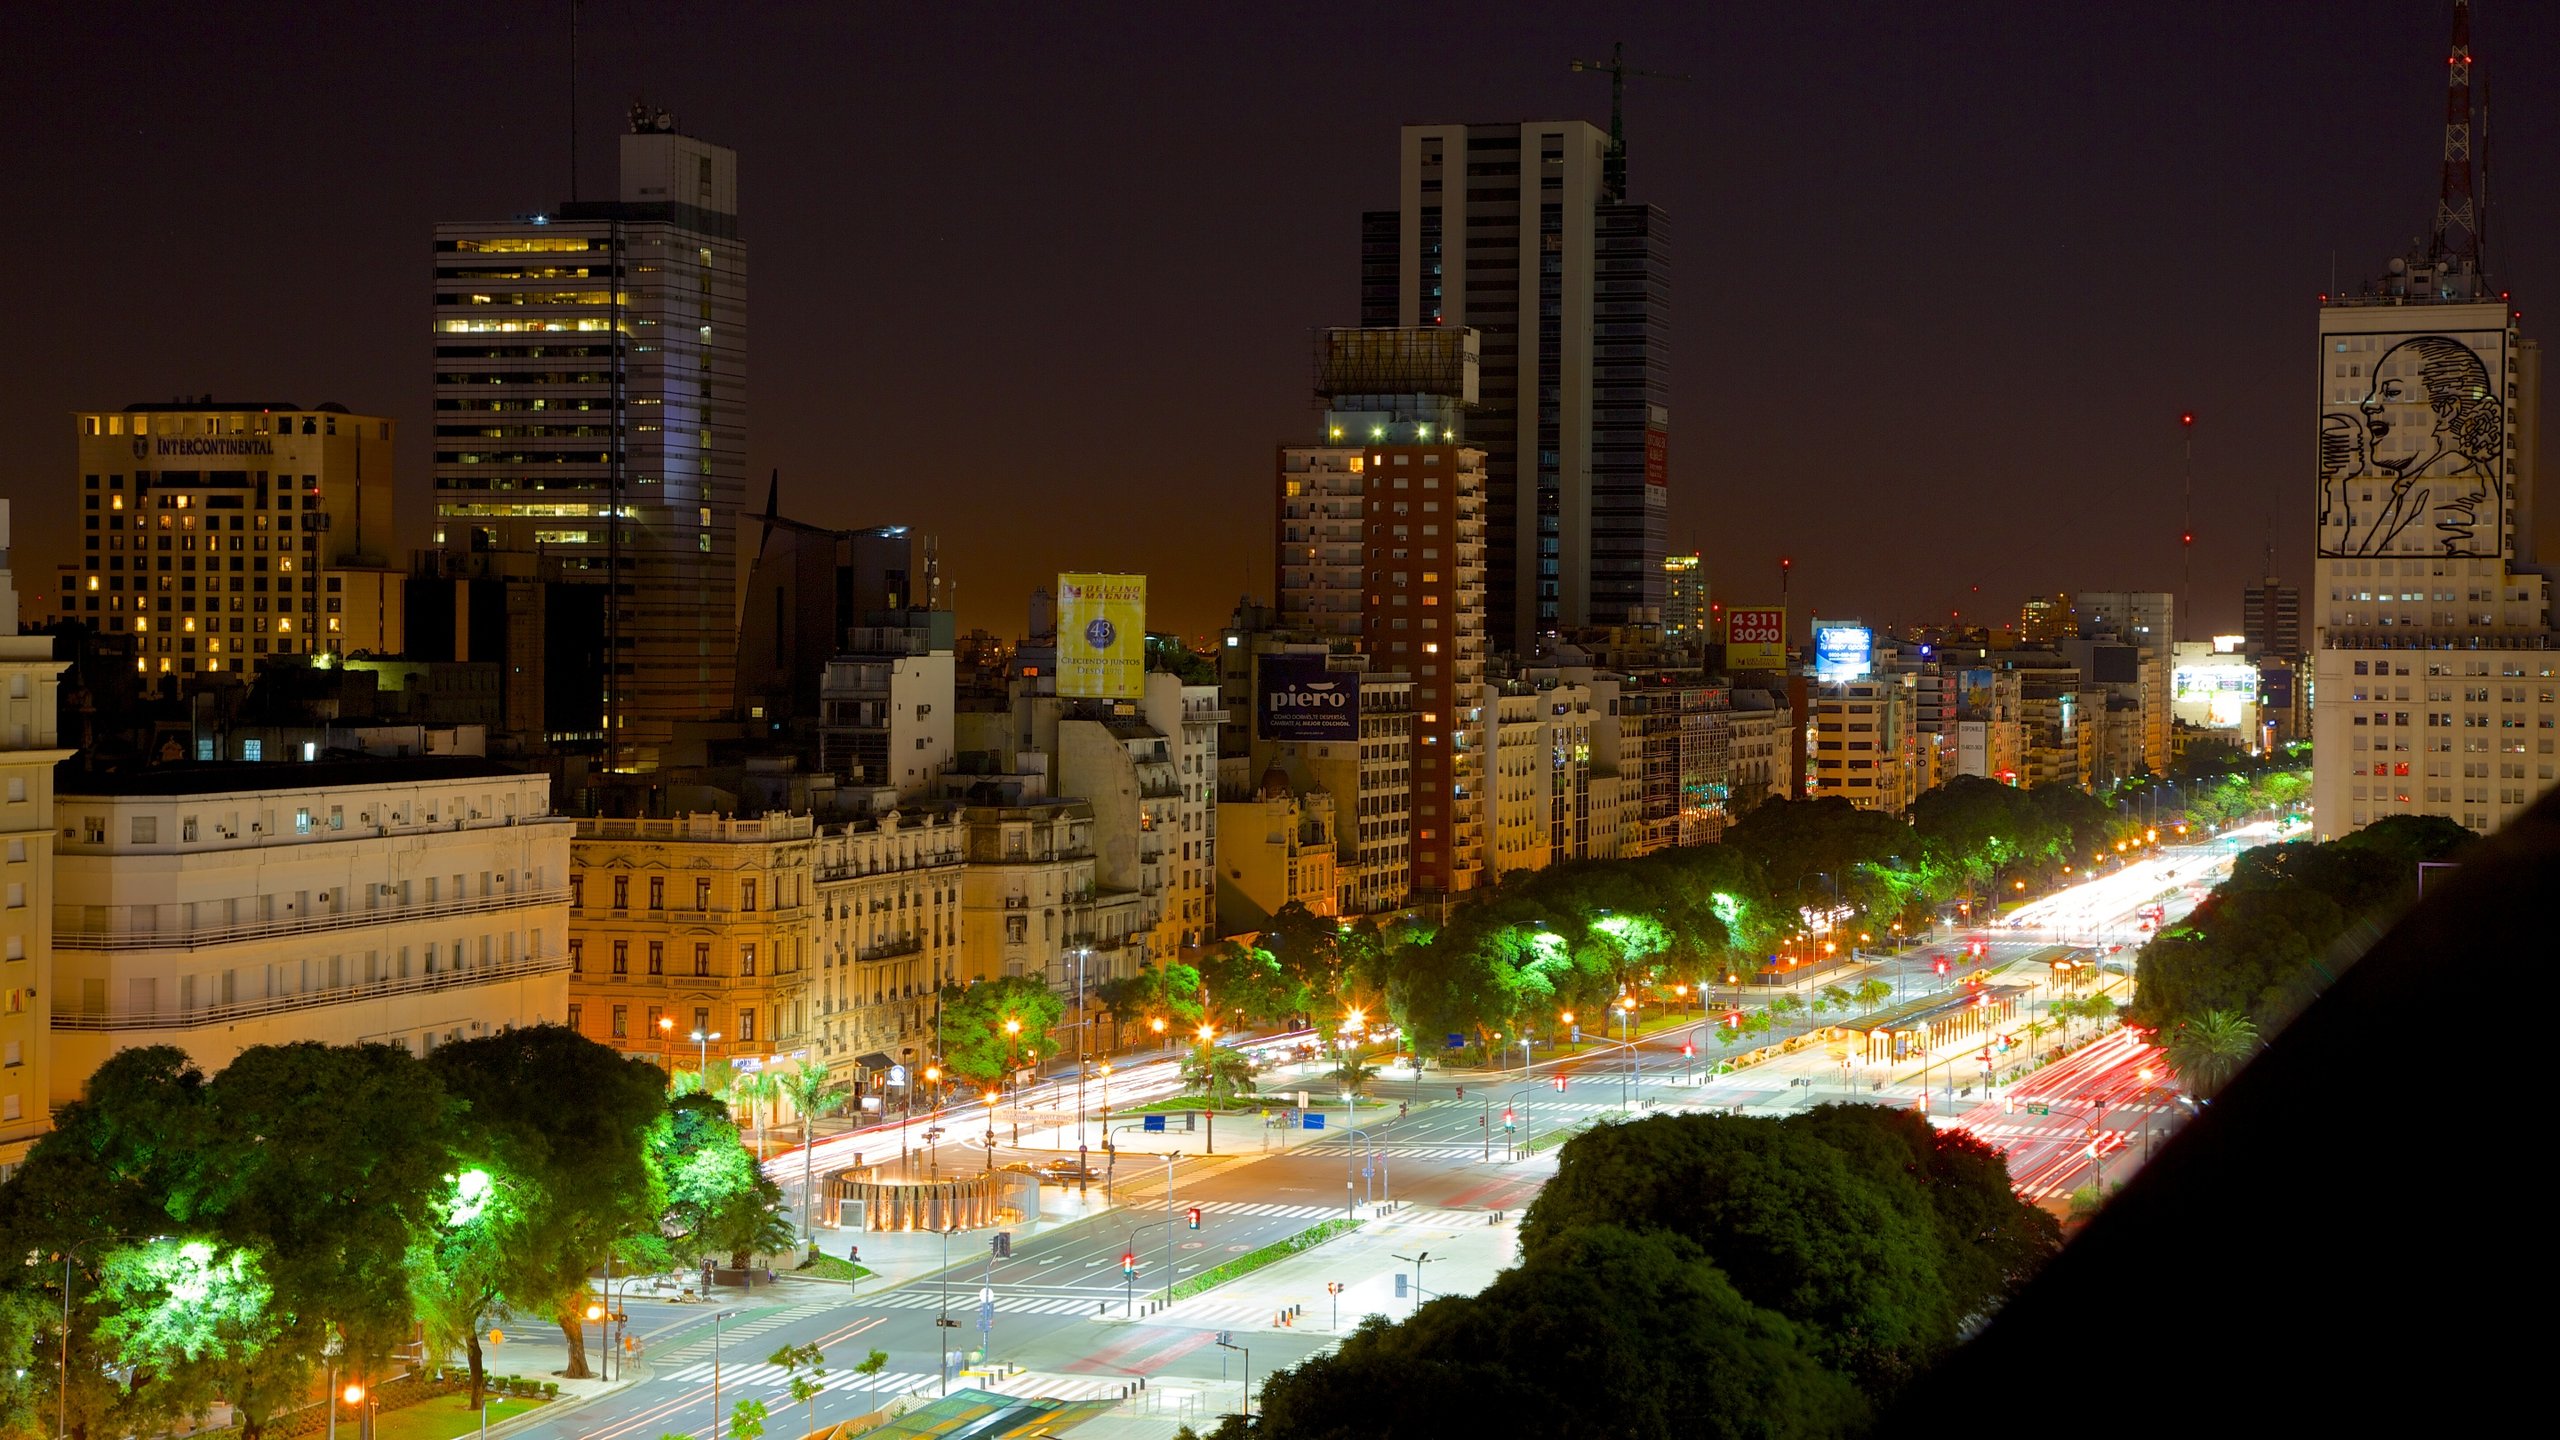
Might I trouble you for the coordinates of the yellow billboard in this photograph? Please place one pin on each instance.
(1102, 636)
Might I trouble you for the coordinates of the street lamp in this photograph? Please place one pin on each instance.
(991, 1129)
(1417, 1260)
(1626, 1035)
(667, 1042)
(702, 1055)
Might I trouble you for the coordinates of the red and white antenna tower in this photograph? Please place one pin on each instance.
(2457, 229)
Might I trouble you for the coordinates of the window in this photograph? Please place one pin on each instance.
(577, 956)
(621, 892)
(702, 1020)
(146, 829)
(576, 1012)
(302, 820)
(657, 892)
(655, 1015)
(577, 892)
(17, 789)
(253, 750)
(657, 957)
(747, 959)
(702, 957)
(621, 1021)
(621, 958)
(746, 1024)
(746, 894)
(702, 894)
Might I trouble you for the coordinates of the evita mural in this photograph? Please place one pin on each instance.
(2414, 461)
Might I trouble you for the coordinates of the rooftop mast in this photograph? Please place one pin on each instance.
(2457, 229)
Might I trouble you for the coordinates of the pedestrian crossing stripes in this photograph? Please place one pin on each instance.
(1033, 1384)
(1206, 1311)
(965, 1301)
(735, 1376)
(702, 1347)
(1412, 1149)
(1265, 1210)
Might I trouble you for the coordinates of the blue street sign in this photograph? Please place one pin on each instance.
(1577, 1034)
(1312, 1120)
(1457, 1041)
(1155, 1123)
(1367, 1174)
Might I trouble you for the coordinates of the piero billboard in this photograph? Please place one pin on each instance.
(1298, 698)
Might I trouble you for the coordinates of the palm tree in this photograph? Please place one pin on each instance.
(812, 1091)
(1217, 1073)
(1872, 993)
(757, 1090)
(2210, 1048)
(1351, 1076)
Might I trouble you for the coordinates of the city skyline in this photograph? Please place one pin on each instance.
(887, 340)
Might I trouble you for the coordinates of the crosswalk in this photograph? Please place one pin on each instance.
(1268, 1210)
(732, 1336)
(964, 1301)
(743, 1377)
(1029, 1384)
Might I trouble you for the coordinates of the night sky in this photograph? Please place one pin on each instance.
(1040, 279)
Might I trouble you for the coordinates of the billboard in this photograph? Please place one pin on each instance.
(1297, 698)
(2413, 430)
(1755, 637)
(2216, 696)
(1102, 636)
(1977, 694)
(1842, 653)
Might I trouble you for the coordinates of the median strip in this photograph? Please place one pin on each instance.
(1245, 1264)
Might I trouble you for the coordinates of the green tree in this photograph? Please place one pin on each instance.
(458, 1269)
(1171, 994)
(718, 1199)
(581, 1170)
(746, 1422)
(1350, 1075)
(815, 1093)
(805, 1388)
(1873, 992)
(1608, 1332)
(978, 1046)
(758, 1090)
(2208, 1049)
(1236, 977)
(1217, 1073)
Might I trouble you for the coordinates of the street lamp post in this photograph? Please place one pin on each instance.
(702, 1055)
(1168, 1225)
(1417, 1260)
(716, 1320)
(1633, 1072)
(991, 1130)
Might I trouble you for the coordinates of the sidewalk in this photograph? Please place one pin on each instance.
(1466, 1248)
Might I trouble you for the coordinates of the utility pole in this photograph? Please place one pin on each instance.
(2186, 600)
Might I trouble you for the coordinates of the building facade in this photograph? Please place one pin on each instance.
(2434, 687)
(30, 681)
(220, 906)
(1858, 744)
(591, 362)
(690, 937)
(889, 925)
(1523, 231)
(219, 534)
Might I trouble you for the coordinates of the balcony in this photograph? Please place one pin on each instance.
(205, 1015)
(309, 924)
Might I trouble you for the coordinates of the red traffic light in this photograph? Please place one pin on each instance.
(1688, 1049)
(1942, 964)
(1507, 1119)
(1195, 1217)
(1129, 1260)
(1559, 1082)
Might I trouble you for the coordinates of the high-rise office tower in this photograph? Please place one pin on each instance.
(2045, 619)
(1684, 601)
(2271, 619)
(1516, 231)
(1380, 547)
(591, 363)
(218, 534)
(2433, 677)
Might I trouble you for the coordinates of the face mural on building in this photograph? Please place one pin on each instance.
(2415, 462)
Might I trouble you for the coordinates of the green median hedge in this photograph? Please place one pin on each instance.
(1245, 1264)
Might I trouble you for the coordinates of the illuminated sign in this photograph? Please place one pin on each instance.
(1102, 636)
(1842, 653)
(1755, 638)
(1297, 698)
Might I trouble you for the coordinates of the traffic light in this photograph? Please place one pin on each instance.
(1942, 964)
(1195, 1217)
(1509, 1120)
(1559, 1083)
(1688, 1050)
(1129, 1263)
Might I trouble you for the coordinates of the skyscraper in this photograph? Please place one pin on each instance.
(592, 362)
(1684, 602)
(1567, 285)
(2271, 619)
(2432, 640)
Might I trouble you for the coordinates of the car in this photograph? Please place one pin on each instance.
(1063, 1171)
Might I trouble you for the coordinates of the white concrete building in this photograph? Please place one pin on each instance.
(1189, 717)
(889, 916)
(29, 678)
(2435, 689)
(217, 907)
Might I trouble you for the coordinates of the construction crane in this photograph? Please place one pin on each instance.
(1613, 171)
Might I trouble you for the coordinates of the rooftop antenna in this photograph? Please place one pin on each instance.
(1613, 170)
(2187, 523)
(573, 99)
(2457, 231)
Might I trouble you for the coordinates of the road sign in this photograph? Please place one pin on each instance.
(2039, 1109)
(1457, 1041)
(1401, 1280)
(897, 1074)
(1366, 1173)
(1312, 1120)
(1155, 1124)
